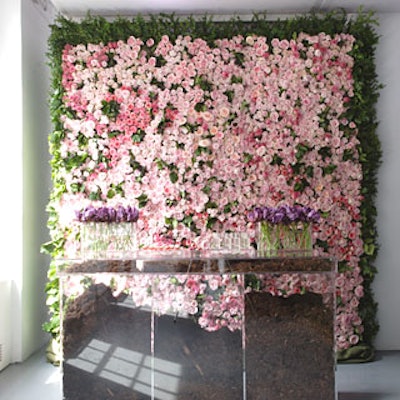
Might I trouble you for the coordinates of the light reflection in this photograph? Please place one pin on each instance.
(53, 378)
(130, 369)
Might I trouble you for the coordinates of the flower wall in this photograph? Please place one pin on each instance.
(196, 133)
(197, 136)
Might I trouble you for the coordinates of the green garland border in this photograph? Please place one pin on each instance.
(362, 110)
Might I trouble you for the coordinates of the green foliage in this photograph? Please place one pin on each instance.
(362, 110)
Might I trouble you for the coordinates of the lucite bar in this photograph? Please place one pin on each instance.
(119, 344)
(106, 344)
(208, 358)
(289, 346)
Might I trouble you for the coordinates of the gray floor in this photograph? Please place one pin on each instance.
(378, 380)
(35, 379)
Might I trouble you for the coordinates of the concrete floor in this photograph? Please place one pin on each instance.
(378, 380)
(35, 379)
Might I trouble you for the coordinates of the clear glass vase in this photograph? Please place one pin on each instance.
(284, 239)
(102, 240)
(230, 242)
(268, 239)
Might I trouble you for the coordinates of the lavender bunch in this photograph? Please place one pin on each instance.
(108, 214)
(284, 214)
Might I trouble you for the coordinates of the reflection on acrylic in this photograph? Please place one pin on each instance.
(170, 337)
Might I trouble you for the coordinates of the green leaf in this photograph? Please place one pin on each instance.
(276, 160)
(95, 195)
(247, 157)
(138, 136)
(301, 150)
(142, 199)
(110, 108)
(328, 170)
(369, 249)
(211, 221)
(173, 176)
(211, 204)
(299, 186)
(236, 79)
(47, 248)
(325, 152)
(114, 134)
(230, 94)
(172, 223)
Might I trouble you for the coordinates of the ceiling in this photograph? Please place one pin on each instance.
(110, 8)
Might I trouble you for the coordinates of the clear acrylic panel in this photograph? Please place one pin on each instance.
(238, 334)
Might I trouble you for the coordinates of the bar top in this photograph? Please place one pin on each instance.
(195, 262)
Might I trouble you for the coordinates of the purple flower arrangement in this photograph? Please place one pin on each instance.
(108, 214)
(284, 214)
(284, 230)
(108, 232)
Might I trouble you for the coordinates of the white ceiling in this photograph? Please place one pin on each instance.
(79, 8)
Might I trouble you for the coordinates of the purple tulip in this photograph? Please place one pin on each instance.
(132, 214)
(112, 214)
(102, 214)
(121, 214)
(107, 214)
(294, 214)
(265, 214)
(284, 214)
(313, 216)
(88, 213)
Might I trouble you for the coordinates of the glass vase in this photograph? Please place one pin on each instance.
(297, 238)
(102, 240)
(230, 242)
(284, 239)
(268, 239)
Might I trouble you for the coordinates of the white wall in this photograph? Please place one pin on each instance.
(11, 159)
(36, 17)
(24, 168)
(387, 282)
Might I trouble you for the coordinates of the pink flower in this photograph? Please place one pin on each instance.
(202, 138)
